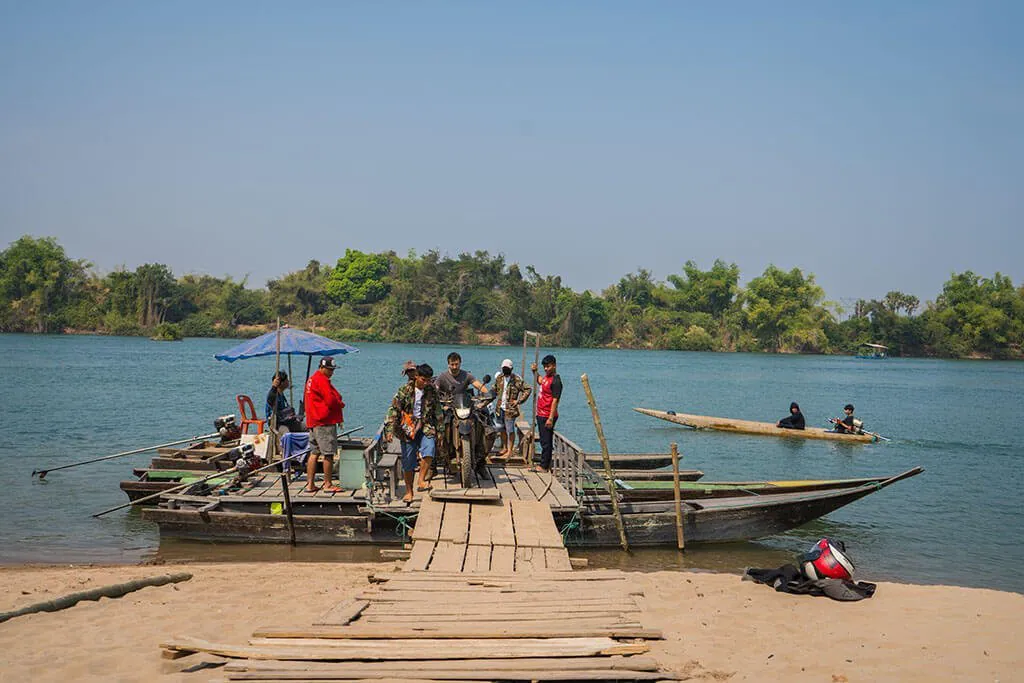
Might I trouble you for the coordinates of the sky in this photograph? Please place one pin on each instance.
(878, 145)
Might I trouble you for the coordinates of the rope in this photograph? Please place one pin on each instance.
(572, 525)
(402, 526)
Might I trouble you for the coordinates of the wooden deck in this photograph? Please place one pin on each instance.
(513, 483)
(507, 537)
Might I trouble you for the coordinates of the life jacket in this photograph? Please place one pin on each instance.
(410, 426)
(827, 559)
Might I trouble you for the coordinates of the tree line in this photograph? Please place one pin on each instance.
(479, 298)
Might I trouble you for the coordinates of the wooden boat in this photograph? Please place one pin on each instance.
(654, 475)
(150, 481)
(625, 461)
(734, 518)
(645, 490)
(874, 352)
(726, 424)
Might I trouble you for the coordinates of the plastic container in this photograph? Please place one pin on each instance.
(351, 468)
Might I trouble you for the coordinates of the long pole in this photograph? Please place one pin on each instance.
(609, 475)
(528, 455)
(273, 446)
(680, 541)
(42, 473)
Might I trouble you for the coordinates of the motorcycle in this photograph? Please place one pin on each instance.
(466, 432)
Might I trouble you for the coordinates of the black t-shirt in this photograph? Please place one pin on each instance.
(448, 384)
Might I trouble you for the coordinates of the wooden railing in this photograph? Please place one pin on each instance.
(568, 465)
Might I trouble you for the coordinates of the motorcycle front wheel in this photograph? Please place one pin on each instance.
(466, 463)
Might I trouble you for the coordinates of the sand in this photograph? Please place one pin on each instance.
(717, 627)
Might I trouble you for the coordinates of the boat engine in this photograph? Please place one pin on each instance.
(827, 559)
(225, 425)
(247, 460)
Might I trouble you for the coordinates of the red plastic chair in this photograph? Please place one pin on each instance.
(248, 411)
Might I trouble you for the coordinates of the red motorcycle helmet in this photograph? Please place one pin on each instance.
(827, 559)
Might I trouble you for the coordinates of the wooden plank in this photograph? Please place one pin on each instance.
(610, 617)
(478, 559)
(466, 495)
(428, 521)
(495, 598)
(522, 489)
(557, 559)
(592, 575)
(455, 523)
(399, 649)
(412, 674)
(535, 664)
(342, 613)
(482, 519)
(503, 558)
(538, 484)
(501, 481)
(534, 525)
(448, 556)
(419, 557)
(524, 559)
(325, 636)
(502, 530)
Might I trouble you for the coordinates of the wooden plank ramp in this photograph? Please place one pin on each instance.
(488, 594)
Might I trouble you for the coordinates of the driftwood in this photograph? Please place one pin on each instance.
(113, 591)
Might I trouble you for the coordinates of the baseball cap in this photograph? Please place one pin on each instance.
(407, 366)
(507, 363)
(327, 362)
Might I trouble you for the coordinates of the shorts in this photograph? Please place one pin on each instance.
(509, 422)
(324, 440)
(412, 451)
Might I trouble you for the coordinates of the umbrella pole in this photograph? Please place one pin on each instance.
(273, 434)
(291, 382)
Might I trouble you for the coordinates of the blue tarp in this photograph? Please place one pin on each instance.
(293, 341)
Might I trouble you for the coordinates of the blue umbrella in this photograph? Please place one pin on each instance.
(293, 341)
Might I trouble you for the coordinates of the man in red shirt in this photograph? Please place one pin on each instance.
(323, 417)
(549, 393)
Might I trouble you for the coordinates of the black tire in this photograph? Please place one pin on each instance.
(466, 463)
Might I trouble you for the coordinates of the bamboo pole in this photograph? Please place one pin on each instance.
(42, 473)
(528, 451)
(680, 541)
(609, 475)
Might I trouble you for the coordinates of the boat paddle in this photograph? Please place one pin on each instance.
(42, 473)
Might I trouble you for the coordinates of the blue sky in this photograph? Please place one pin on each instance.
(878, 145)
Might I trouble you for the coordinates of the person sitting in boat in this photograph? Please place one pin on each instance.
(795, 419)
(287, 420)
(849, 424)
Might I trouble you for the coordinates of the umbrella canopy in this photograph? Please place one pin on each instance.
(293, 341)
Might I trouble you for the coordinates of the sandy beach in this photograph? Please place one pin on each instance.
(716, 626)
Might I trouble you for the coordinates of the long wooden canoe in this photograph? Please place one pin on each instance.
(735, 518)
(646, 490)
(728, 424)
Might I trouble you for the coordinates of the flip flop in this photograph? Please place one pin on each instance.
(424, 488)
(333, 489)
(311, 490)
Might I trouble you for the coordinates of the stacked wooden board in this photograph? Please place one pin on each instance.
(448, 620)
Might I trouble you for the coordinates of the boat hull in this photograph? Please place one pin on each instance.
(726, 424)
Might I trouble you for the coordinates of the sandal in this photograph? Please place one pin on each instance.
(407, 499)
(333, 489)
(424, 488)
(311, 490)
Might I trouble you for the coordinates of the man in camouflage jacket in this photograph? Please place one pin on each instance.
(414, 415)
(508, 404)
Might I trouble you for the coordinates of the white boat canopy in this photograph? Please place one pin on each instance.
(877, 346)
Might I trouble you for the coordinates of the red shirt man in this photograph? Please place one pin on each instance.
(323, 416)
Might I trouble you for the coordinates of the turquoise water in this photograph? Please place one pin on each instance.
(71, 398)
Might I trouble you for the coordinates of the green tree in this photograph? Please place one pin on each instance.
(358, 278)
(781, 305)
(38, 283)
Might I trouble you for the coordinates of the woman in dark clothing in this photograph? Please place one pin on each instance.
(795, 419)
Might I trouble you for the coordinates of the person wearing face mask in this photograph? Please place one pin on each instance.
(512, 392)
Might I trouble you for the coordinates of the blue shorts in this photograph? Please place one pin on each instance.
(412, 451)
